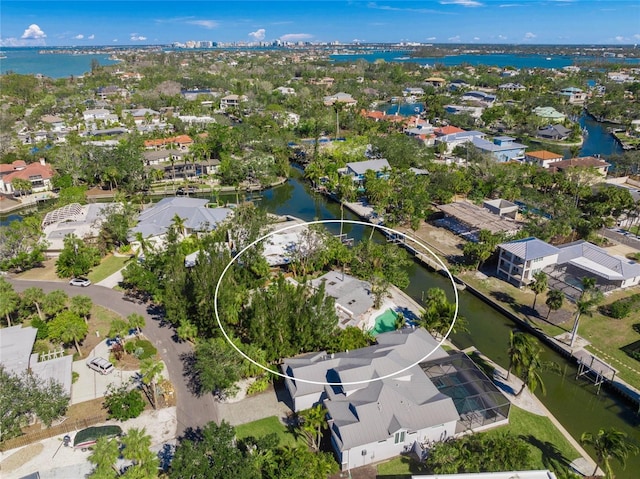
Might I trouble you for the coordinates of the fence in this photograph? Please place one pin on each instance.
(52, 431)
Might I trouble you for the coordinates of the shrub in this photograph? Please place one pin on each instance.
(123, 404)
(620, 309)
(259, 385)
(141, 349)
(74, 377)
(42, 327)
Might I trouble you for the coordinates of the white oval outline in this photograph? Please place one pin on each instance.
(322, 383)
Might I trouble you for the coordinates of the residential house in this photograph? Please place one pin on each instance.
(542, 158)
(357, 169)
(197, 93)
(154, 222)
(156, 157)
(601, 167)
(436, 82)
(326, 81)
(143, 116)
(503, 148)
(455, 139)
(474, 111)
(479, 96)
(426, 401)
(581, 259)
(285, 90)
(341, 97)
(39, 174)
(231, 101)
(99, 114)
(106, 92)
(549, 113)
(458, 85)
(55, 123)
(16, 357)
(502, 207)
(520, 259)
(413, 91)
(512, 87)
(574, 95)
(83, 221)
(554, 132)
(182, 142)
(447, 130)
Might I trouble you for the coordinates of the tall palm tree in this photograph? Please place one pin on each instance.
(145, 244)
(555, 300)
(81, 305)
(104, 455)
(521, 345)
(10, 300)
(151, 371)
(179, 224)
(589, 299)
(609, 444)
(75, 330)
(530, 374)
(136, 446)
(136, 321)
(34, 295)
(538, 286)
(314, 421)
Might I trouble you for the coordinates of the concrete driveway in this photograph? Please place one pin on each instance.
(192, 411)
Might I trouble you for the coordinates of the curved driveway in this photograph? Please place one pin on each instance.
(191, 411)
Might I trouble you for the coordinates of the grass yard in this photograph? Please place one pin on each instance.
(109, 265)
(266, 426)
(549, 448)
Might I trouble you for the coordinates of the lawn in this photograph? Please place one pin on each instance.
(263, 427)
(109, 265)
(549, 448)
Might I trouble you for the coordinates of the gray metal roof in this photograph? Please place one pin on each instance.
(349, 292)
(595, 260)
(157, 219)
(529, 248)
(361, 167)
(365, 413)
(16, 344)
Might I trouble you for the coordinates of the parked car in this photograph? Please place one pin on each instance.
(84, 282)
(100, 365)
(86, 438)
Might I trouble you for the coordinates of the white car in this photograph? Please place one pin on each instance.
(100, 365)
(84, 282)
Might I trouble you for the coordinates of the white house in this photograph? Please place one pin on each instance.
(520, 259)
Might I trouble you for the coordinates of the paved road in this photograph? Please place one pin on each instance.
(192, 411)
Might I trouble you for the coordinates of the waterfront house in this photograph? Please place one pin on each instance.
(479, 96)
(455, 139)
(436, 82)
(549, 113)
(542, 158)
(413, 91)
(520, 259)
(154, 222)
(357, 169)
(586, 163)
(83, 221)
(554, 132)
(574, 95)
(430, 400)
(474, 111)
(502, 149)
(39, 174)
(182, 142)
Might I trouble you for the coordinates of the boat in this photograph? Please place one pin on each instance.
(402, 58)
(548, 58)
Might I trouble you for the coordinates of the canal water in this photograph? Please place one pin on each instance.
(575, 403)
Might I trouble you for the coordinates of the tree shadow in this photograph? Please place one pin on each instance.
(191, 374)
(165, 455)
(503, 297)
(636, 327)
(552, 458)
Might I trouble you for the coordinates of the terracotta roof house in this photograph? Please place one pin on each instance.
(542, 158)
(39, 174)
(183, 142)
(340, 97)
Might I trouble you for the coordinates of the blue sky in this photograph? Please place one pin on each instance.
(104, 22)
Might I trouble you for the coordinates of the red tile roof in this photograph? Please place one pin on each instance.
(543, 155)
(180, 140)
(16, 165)
(448, 130)
(34, 169)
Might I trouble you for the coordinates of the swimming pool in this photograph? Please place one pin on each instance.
(385, 322)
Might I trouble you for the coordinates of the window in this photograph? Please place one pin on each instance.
(399, 437)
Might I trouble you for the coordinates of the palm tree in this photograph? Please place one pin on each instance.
(589, 299)
(609, 444)
(34, 295)
(136, 321)
(145, 244)
(151, 370)
(555, 300)
(104, 455)
(81, 305)
(75, 329)
(136, 446)
(530, 374)
(314, 421)
(10, 300)
(521, 345)
(178, 224)
(538, 286)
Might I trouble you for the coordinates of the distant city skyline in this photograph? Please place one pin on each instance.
(146, 22)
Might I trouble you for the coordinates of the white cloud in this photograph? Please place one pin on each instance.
(529, 36)
(208, 24)
(454, 39)
(295, 37)
(636, 36)
(476, 39)
(258, 34)
(79, 36)
(375, 6)
(510, 5)
(502, 37)
(620, 39)
(430, 38)
(91, 37)
(137, 38)
(464, 3)
(33, 33)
